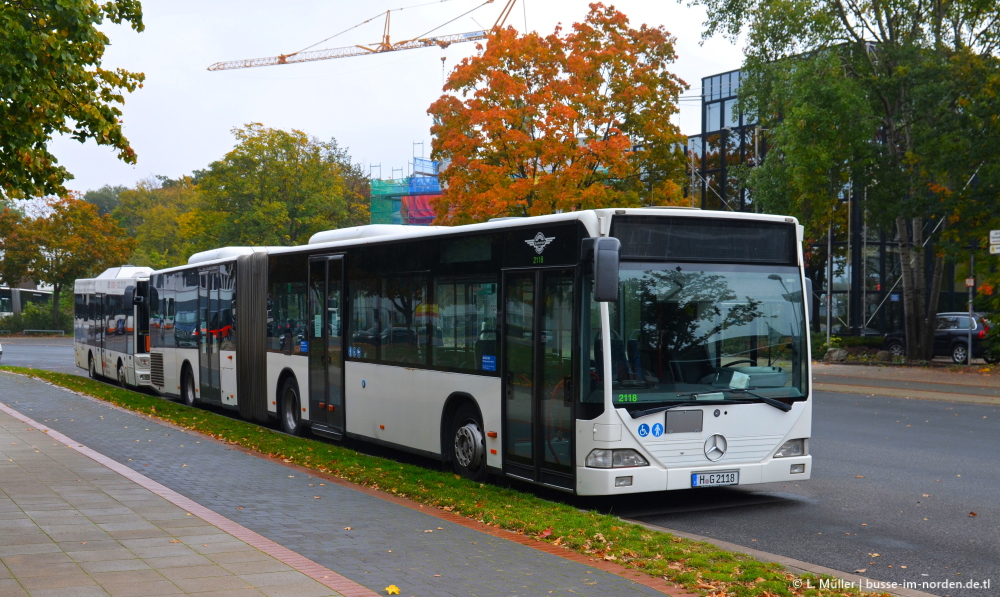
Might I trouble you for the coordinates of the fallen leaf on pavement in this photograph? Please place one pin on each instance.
(392, 590)
(347, 528)
(859, 476)
(972, 514)
(860, 570)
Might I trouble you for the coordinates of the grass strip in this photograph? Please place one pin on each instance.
(700, 567)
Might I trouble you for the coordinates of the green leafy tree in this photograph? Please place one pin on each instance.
(155, 213)
(73, 241)
(891, 101)
(105, 198)
(52, 82)
(275, 188)
(535, 124)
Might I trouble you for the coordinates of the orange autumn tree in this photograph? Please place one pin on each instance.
(535, 125)
(73, 240)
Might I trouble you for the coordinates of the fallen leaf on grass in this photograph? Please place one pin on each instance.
(545, 533)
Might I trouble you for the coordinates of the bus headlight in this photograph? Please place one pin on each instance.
(144, 361)
(615, 458)
(793, 447)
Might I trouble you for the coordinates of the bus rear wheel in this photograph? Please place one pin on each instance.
(291, 412)
(188, 394)
(468, 454)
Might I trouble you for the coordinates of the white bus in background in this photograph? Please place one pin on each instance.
(598, 352)
(14, 300)
(111, 325)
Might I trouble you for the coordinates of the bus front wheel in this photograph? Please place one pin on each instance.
(91, 367)
(122, 380)
(468, 444)
(291, 414)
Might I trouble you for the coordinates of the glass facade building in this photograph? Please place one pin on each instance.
(866, 292)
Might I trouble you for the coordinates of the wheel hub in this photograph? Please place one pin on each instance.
(469, 445)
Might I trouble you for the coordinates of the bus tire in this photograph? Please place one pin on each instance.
(290, 408)
(468, 445)
(188, 394)
(122, 380)
(91, 366)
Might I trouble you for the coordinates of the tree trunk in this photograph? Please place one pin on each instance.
(56, 290)
(911, 314)
(919, 304)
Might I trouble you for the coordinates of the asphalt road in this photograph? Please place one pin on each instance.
(892, 476)
(54, 354)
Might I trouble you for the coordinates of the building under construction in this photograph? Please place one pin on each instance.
(407, 200)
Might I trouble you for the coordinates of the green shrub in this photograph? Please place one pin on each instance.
(36, 317)
(991, 345)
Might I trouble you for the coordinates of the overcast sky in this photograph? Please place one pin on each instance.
(376, 105)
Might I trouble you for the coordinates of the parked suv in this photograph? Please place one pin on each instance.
(951, 336)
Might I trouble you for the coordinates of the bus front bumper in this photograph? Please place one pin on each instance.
(603, 481)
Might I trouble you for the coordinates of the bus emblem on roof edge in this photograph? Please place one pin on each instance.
(539, 242)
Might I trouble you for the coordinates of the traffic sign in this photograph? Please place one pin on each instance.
(995, 237)
(970, 282)
(994, 249)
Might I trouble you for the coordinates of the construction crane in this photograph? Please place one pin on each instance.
(442, 41)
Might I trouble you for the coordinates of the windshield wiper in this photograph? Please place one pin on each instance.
(765, 399)
(642, 413)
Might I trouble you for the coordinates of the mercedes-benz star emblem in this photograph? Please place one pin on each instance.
(715, 447)
(539, 242)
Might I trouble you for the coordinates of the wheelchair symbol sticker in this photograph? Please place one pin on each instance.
(657, 430)
(643, 430)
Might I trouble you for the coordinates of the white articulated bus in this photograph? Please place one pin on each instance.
(599, 352)
(111, 325)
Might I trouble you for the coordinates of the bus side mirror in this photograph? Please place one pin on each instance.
(606, 257)
(808, 301)
(131, 298)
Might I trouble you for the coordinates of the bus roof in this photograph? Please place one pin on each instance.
(597, 222)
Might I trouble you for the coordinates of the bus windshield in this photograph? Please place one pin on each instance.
(700, 332)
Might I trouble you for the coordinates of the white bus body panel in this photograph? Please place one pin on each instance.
(673, 457)
(409, 403)
(227, 377)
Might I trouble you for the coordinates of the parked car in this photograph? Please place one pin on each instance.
(951, 336)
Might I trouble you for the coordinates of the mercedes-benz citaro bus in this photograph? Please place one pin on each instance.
(599, 352)
(111, 325)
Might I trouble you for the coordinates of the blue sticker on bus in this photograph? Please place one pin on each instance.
(657, 430)
(304, 346)
(489, 362)
(643, 430)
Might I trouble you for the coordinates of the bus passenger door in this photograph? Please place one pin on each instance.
(208, 335)
(537, 376)
(101, 323)
(326, 356)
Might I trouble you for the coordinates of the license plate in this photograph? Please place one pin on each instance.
(715, 479)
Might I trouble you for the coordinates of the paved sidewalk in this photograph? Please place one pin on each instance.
(74, 527)
(928, 383)
(368, 540)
